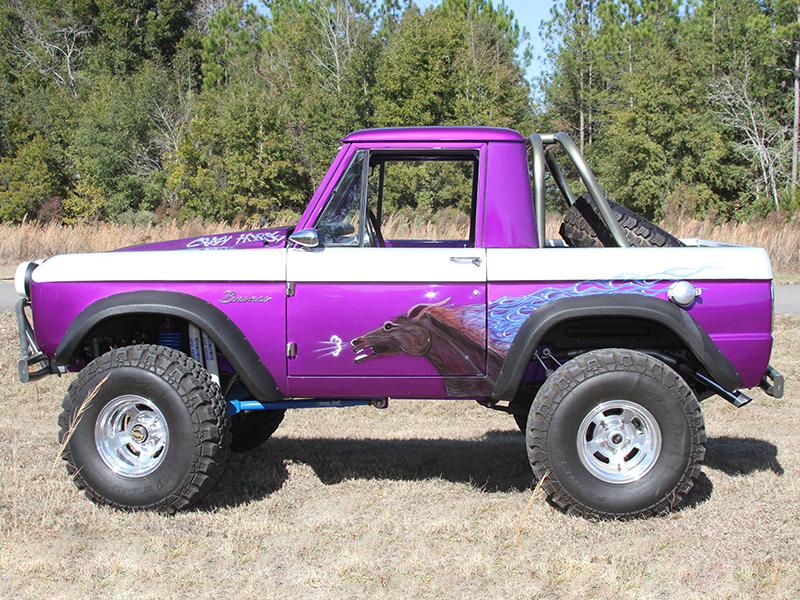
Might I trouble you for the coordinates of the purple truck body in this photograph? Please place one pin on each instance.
(331, 311)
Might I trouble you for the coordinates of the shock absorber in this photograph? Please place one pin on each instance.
(171, 337)
(203, 351)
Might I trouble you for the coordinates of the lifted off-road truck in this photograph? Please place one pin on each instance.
(600, 344)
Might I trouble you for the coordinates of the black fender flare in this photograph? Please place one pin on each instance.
(227, 336)
(543, 320)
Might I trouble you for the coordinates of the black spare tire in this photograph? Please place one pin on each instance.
(584, 228)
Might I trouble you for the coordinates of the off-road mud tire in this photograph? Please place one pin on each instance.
(178, 408)
(615, 396)
(251, 428)
(583, 227)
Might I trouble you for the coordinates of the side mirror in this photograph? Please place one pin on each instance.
(306, 238)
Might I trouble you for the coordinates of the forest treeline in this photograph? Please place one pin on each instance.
(139, 110)
(681, 105)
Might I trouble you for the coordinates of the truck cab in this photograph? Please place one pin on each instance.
(420, 269)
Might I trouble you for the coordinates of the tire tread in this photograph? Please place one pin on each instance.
(574, 372)
(583, 227)
(204, 403)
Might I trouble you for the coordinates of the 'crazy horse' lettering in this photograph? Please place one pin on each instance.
(210, 242)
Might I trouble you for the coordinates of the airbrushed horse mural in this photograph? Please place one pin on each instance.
(457, 342)
(452, 339)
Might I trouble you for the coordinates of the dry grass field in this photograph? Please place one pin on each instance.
(422, 500)
(781, 238)
(32, 241)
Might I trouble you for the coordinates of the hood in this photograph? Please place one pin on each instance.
(259, 238)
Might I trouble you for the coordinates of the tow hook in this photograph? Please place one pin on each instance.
(34, 363)
(774, 389)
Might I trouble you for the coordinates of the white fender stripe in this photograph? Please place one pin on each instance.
(257, 264)
(577, 264)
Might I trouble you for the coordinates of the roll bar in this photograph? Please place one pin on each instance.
(542, 146)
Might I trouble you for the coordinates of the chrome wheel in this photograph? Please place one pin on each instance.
(131, 436)
(615, 434)
(144, 427)
(619, 441)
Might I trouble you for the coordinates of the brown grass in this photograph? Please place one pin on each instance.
(31, 241)
(408, 225)
(422, 500)
(780, 238)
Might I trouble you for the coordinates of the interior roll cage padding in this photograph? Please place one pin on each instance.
(542, 146)
(536, 327)
(228, 338)
(537, 149)
(362, 212)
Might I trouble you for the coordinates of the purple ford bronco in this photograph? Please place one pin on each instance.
(600, 345)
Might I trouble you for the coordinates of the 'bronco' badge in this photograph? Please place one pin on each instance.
(231, 297)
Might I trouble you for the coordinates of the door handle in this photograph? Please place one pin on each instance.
(475, 260)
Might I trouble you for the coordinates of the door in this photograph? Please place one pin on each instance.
(393, 300)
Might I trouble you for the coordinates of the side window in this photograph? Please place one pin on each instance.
(424, 199)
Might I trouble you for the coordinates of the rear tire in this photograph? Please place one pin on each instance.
(584, 228)
(144, 427)
(615, 434)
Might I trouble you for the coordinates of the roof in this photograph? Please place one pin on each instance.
(426, 134)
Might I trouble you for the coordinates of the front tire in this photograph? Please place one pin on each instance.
(616, 433)
(144, 427)
(251, 428)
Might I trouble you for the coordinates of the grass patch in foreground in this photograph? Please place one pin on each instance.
(423, 500)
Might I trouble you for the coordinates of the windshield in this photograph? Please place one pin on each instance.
(338, 223)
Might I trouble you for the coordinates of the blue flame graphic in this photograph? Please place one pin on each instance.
(507, 314)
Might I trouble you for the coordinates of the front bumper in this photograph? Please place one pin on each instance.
(34, 363)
